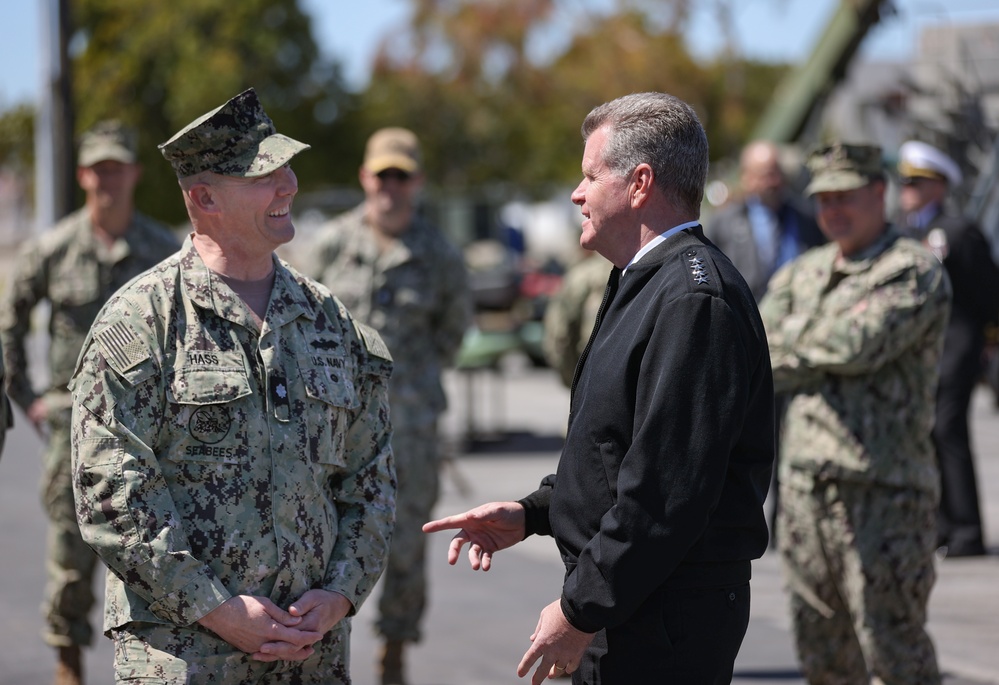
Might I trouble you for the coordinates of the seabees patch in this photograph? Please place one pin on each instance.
(121, 346)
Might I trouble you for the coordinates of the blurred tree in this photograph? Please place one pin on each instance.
(159, 64)
(466, 75)
(17, 161)
(17, 140)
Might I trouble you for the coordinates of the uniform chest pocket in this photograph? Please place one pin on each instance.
(75, 286)
(331, 395)
(209, 425)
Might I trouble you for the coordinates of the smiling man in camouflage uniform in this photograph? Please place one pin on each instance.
(75, 268)
(397, 273)
(231, 441)
(855, 330)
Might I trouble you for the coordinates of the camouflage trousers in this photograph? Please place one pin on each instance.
(157, 654)
(70, 563)
(858, 561)
(404, 590)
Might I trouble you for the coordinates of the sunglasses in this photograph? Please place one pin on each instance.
(394, 175)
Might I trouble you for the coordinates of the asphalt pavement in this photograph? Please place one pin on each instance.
(478, 624)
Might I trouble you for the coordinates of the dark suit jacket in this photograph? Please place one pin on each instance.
(731, 231)
(670, 441)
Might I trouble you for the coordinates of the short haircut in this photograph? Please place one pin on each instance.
(662, 131)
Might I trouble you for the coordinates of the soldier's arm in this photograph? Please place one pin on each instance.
(454, 312)
(897, 313)
(124, 507)
(784, 327)
(366, 495)
(28, 286)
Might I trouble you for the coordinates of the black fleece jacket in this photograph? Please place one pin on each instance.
(670, 441)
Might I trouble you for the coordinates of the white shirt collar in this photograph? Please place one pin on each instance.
(656, 241)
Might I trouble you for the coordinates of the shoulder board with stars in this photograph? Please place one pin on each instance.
(696, 266)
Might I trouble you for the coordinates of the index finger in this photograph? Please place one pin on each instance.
(446, 523)
(532, 655)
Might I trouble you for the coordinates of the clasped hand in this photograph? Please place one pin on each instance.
(267, 632)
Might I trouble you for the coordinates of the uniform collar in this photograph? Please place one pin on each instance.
(861, 260)
(207, 290)
(658, 240)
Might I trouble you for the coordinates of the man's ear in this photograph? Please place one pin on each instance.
(642, 184)
(202, 196)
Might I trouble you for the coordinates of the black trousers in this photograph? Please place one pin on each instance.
(960, 521)
(684, 636)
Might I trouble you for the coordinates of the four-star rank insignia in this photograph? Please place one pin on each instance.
(697, 268)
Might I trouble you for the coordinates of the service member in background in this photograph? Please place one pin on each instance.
(571, 312)
(231, 440)
(927, 176)
(761, 231)
(768, 226)
(398, 274)
(855, 330)
(75, 268)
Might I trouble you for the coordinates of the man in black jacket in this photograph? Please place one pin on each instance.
(927, 176)
(657, 506)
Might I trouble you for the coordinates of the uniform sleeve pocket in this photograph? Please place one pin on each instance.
(102, 507)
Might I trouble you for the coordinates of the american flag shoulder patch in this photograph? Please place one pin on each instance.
(121, 346)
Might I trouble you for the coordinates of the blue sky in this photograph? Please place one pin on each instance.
(775, 30)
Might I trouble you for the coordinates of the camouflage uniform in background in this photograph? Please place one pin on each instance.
(76, 273)
(571, 313)
(213, 459)
(416, 296)
(855, 346)
(6, 417)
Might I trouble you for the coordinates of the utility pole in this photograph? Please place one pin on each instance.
(55, 164)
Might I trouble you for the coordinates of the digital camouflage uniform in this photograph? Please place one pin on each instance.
(71, 269)
(416, 296)
(213, 458)
(571, 313)
(855, 346)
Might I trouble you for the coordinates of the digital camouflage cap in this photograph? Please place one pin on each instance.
(107, 141)
(841, 166)
(236, 139)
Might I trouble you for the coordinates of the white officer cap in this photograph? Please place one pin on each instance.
(917, 159)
